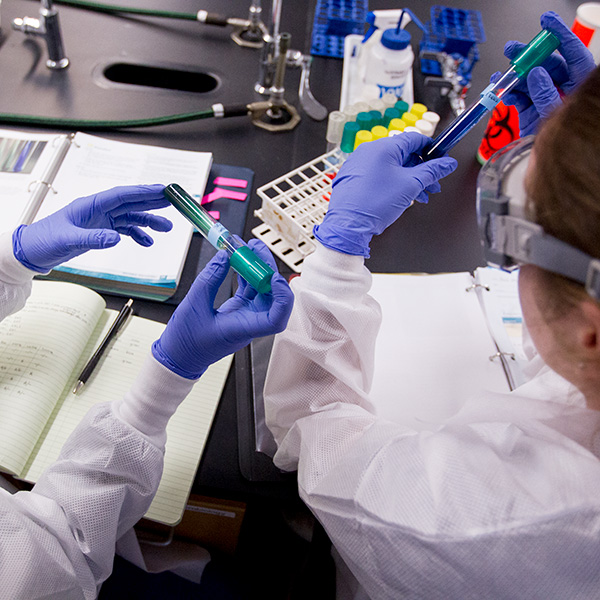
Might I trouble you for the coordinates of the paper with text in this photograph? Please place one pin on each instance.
(39, 348)
(187, 430)
(94, 164)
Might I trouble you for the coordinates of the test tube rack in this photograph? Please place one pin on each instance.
(456, 32)
(334, 20)
(293, 204)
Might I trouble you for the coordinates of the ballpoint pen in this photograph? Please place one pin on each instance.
(119, 323)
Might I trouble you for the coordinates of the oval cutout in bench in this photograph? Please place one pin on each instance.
(161, 77)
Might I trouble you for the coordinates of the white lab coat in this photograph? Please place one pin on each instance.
(58, 541)
(501, 501)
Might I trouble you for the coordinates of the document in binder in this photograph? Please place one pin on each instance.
(443, 339)
(40, 173)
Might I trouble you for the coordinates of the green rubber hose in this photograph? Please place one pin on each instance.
(125, 9)
(217, 111)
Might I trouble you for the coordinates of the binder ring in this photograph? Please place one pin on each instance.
(38, 182)
(500, 354)
(476, 285)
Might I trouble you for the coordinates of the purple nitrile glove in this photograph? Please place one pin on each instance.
(375, 185)
(88, 223)
(536, 98)
(198, 335)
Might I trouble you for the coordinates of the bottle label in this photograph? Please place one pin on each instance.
(394, 89)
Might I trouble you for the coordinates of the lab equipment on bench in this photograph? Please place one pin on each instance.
(241, 257)
(535, 53)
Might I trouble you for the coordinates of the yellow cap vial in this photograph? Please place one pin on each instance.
(362, 136)
(410, 118)
(379, 131)
(396, 125)
(418, 109)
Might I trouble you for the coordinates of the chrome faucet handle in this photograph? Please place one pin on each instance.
(48, 27)
(311, 106)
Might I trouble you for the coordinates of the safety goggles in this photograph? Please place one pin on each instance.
(508, 237)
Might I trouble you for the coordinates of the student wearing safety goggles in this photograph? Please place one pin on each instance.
(503, 500)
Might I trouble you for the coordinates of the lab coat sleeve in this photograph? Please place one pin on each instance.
(323, 361)
(415, 514)
(58, 540)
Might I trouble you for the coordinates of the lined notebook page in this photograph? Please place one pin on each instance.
(187, 430)
(39, 347)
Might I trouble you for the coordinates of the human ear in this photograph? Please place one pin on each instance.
(589, 334)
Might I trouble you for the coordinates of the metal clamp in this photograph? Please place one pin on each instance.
(450, 81)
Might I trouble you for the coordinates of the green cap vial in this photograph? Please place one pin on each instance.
(536, 52)
(241, 257)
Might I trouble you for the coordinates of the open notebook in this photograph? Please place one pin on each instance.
(44, 347)
(40, 173)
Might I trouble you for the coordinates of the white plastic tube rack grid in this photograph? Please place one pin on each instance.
(293, 204)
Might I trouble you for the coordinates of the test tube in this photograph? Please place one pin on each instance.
(241, 257)
(535, 53)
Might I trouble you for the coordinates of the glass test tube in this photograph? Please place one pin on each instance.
(241, 257)
(536, 52)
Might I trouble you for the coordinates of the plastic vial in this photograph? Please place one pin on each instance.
(432, 117)
(402, 106)
(377, 117)
(389, 99)
(377, 104)
(241, 257)
(379, 131)
(393, 132)
(389, 114)
(365, 120)
(362, 136)
(410, 118)
(396, 125)
(335, 129)
(418, 109)
(412, 128)
(425, 127)
(350, 130)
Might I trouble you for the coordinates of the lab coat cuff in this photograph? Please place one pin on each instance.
(152, 400)
(336, 274)
(11, 270)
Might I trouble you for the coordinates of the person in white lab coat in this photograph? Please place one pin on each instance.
(502, 500)
(58, 540)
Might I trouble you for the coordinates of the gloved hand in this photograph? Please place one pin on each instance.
(374, 187)
(198, 335)
(90, 223)
(538, 97)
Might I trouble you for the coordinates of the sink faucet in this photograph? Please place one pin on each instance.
(270, 60)
(46, 26)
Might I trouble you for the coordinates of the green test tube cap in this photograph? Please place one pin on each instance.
(389, 114)
(365, 120)
(254, 270)
(377, 117)
(402, 106)
(350, 130)
(535, 53)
